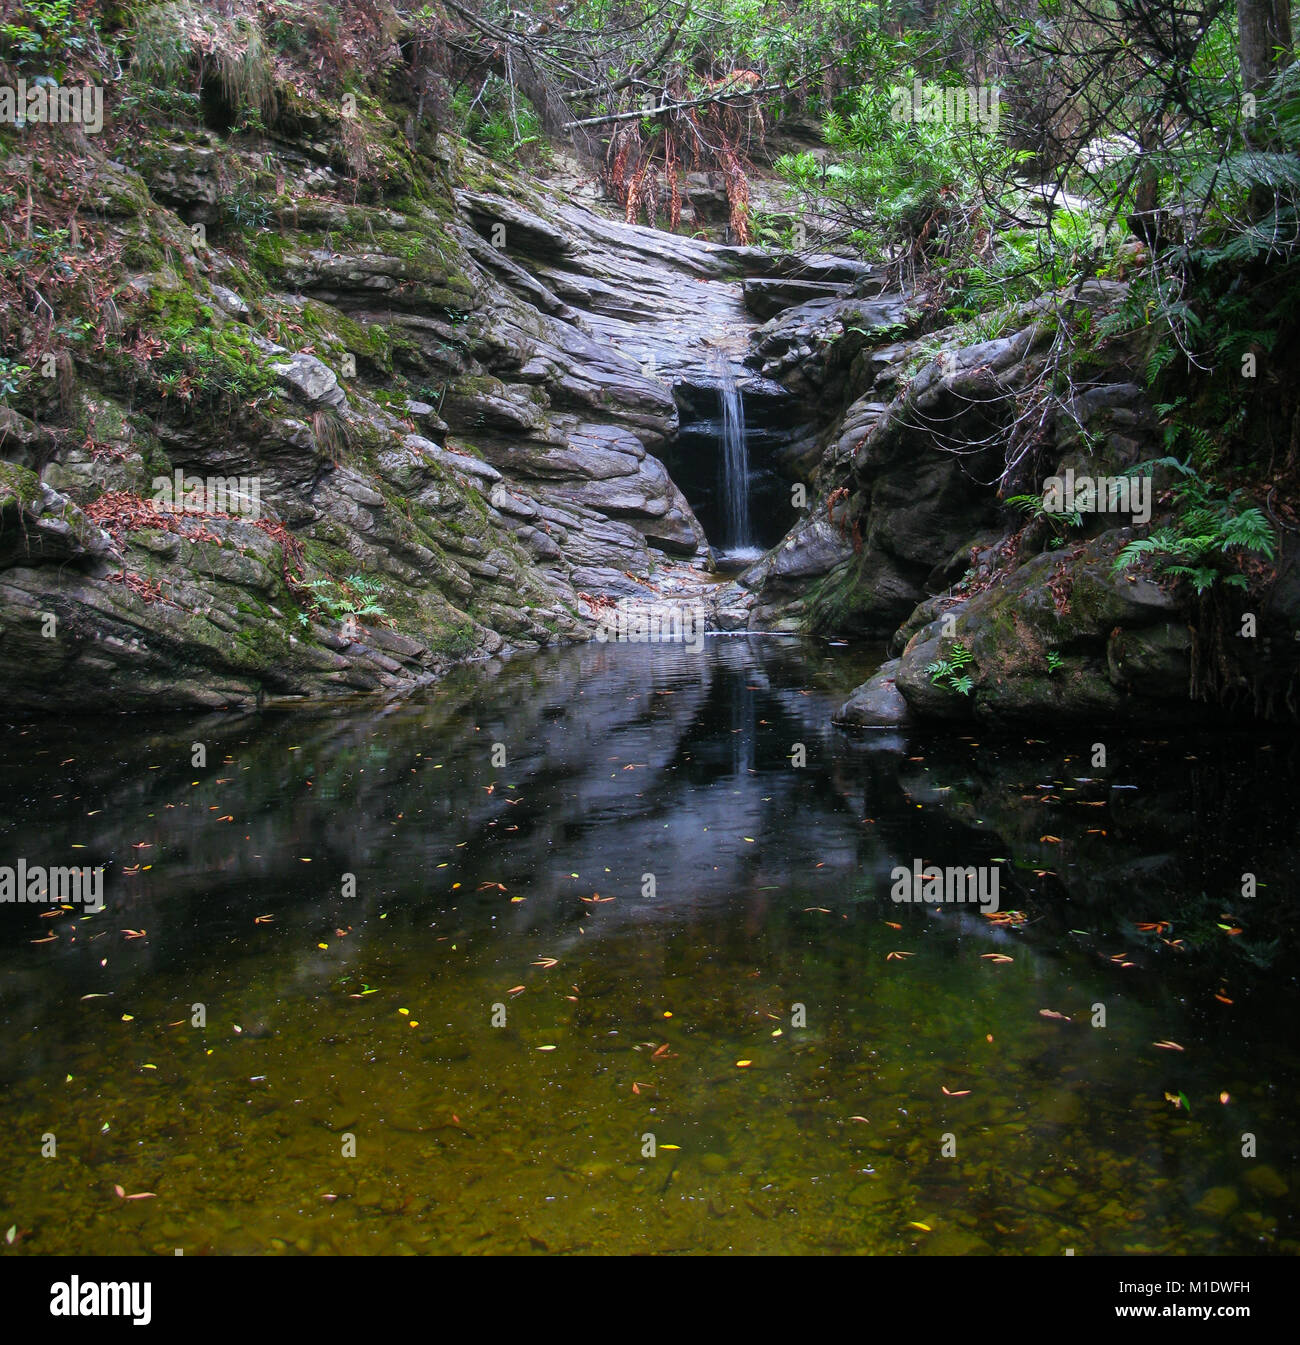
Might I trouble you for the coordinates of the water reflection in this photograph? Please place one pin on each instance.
(647, 883)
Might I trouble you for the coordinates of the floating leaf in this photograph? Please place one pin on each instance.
(1168, 1045)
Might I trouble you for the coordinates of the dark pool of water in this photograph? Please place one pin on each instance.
(589, 885)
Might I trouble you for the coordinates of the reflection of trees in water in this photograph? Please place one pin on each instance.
(1178, 825)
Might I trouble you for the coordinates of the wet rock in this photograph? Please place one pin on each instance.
(876, 703)
(1218, 1202)
(1265, 1181)
(311, 381)
(954, 1242)
(767, 297)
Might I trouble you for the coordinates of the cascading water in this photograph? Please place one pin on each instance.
(738, 541)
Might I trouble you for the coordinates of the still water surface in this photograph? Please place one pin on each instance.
(548, 967)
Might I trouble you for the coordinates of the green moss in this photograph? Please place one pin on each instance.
(18, 483)
(457, 639)
(267, 251)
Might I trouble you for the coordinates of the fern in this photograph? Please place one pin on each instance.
(1209, 529)
(948, 671)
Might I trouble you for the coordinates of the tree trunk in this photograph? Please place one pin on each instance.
(1263, 40)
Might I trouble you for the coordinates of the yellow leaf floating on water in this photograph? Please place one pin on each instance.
(670, 1146)
(128, 1017)
(546, 1048)
(743, 1064)
(916, 1223)
(1051, 1013)
(960, 1092)
(322, 945)
(1223, 1097)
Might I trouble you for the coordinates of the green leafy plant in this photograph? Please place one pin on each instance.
(502, 122)
(949, 672)
(53, 35)
(12, 377)
(1054, 662)
(350, 597)
(1210, 532)
(1034, 507)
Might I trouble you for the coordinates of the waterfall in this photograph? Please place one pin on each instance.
(735, 463)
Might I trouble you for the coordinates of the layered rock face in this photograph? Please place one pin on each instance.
(451, 399)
